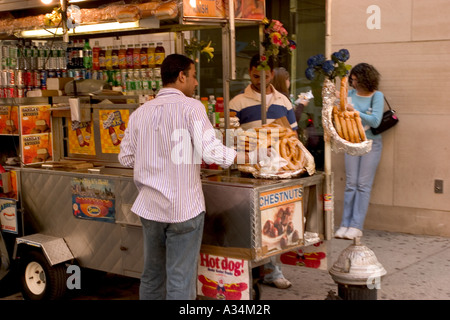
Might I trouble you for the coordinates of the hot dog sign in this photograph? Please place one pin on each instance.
(281, 218)
(223, 278)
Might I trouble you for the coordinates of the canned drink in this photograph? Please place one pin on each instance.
(82, 74)
(20, 92)
(11, 78)
(95, 74)
(4, 78)
(88, 74)
(117, 78)
(43, 79)
(157, 72)
(105, 75)
(28, 77)
(77, 74)
(20, 78)
(51, 74)
(64, 73)
(58, 73)
(36, 79)
(11, 92)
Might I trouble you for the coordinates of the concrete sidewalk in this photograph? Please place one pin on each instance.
(417, 269)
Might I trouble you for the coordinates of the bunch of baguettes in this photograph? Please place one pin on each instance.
(348, 124)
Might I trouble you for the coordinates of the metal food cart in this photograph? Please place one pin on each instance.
(79, 216)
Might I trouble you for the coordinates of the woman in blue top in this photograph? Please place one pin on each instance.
(360, 170)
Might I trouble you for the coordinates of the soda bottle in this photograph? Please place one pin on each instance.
(34, 56)
(87, 55)
(160, 54)
(122, 57)
(144, 56)
(115, 57)
(13, 56)
(108, 58)
(212, 109)
(96, 56)
(20, 57)
(102, 58)
(129, 56)
(218, 110)
(137, 56)
(26, 56)
(79, 54)
(204, 100)
(151, 55)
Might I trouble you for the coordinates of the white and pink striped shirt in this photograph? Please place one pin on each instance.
(164, 142)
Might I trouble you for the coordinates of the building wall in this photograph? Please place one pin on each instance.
(409, 44)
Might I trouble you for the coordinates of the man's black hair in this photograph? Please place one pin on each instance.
(172, 65)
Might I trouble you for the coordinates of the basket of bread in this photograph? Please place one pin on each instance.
(343, 127)
(274, 152)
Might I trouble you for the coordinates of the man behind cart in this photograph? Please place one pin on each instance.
(247, 106)
(170, 202)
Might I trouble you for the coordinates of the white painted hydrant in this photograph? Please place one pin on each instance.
(357, 273)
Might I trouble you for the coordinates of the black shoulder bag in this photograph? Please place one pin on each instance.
(389, 120)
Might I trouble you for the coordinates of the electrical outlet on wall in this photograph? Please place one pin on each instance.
(438, 186)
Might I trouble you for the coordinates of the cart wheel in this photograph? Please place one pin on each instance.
(40, 280)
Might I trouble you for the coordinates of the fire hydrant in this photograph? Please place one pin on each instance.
(357, 273)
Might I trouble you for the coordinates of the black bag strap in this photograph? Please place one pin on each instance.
(387, 102)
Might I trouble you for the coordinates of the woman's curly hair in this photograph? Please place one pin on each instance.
(368, 77)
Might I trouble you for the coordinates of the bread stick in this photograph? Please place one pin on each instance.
(343, 126)
(337, 124)
(348, 122)
(343, 93)
(362, 133)
(355, 128)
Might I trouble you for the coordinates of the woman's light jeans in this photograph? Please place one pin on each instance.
(171, 252)
(360, 173)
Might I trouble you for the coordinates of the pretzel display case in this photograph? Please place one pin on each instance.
(343, 128)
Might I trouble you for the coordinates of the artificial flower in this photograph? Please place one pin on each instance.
(194, 46)
(319, 67)
(275, 37)
(208, 50)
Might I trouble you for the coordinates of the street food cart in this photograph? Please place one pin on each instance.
(67, 203)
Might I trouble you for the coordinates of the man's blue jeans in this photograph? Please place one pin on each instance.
(171, 253)
(360, 173)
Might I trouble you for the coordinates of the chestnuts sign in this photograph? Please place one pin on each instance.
(281, 218)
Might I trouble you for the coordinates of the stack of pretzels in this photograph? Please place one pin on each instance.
(348, 124)
(274, 136)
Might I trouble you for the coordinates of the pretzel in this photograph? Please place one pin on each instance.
(361, 131)
(337, 123)
(343, 93)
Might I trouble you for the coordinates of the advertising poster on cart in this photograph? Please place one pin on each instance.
(223, 278)
(81, 138)
(9, 120)
(8, 215)
(93, 199)
(281, 218)
(112, 129)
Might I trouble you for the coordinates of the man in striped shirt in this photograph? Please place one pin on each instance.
(165, 142)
